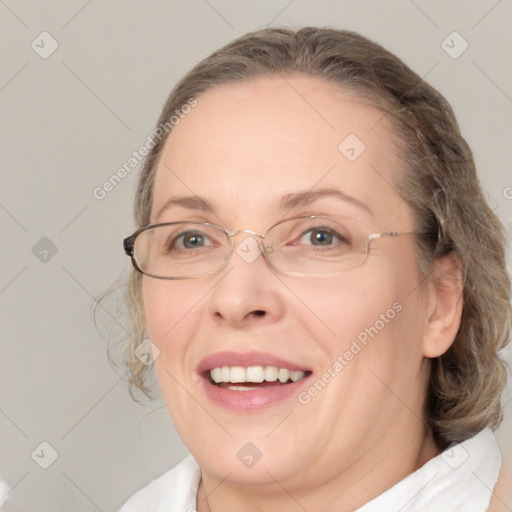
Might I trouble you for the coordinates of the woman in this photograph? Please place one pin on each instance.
(323, 283)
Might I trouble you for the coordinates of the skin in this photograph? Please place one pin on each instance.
(242, 148)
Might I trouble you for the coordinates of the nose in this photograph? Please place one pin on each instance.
(248, 292)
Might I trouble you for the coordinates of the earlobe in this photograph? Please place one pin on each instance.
(445, 301)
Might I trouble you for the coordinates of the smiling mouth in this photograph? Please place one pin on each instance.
(239, 378)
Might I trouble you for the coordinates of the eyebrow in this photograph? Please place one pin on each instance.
(188, 202)
(298, 199)
(288, 202)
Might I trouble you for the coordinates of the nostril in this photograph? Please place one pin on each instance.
(259, 312)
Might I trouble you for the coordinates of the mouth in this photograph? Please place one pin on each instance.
(251, 380)
(238, 378)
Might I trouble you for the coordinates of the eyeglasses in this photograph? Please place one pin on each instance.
(316, 245)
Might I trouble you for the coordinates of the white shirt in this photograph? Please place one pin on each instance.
(461, 479)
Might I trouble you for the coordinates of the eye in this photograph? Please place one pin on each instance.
(321, 236)
(190, 240)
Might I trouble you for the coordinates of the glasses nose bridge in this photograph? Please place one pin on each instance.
(232, 234)
(231, 237)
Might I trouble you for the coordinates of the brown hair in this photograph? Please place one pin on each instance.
(438, 180)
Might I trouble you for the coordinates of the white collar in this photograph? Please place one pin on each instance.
(461, 479)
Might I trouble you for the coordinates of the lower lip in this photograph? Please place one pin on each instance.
(251, 399)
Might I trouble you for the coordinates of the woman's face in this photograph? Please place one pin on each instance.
(246, 150)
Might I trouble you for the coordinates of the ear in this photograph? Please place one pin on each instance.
(445, 302)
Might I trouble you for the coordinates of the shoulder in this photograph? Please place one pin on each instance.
(176, 488)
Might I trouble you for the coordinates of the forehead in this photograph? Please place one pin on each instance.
(247, 144)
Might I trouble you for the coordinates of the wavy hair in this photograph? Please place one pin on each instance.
(437, 179)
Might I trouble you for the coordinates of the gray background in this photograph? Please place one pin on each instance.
(71, 120)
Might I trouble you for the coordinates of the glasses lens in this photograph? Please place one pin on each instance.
(181, 250)
(316, 246)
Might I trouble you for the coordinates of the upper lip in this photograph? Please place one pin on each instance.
(245, 359)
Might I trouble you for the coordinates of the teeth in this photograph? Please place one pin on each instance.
(216, 374)
(297, 375)
(237, 374)
(257, 374)
(284, 375)
(271, 373)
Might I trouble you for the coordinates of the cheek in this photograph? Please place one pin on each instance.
(376, 317)
(166, 313)
(158, 310)
(174, 312)
(352, 305)
(376, 347)
(166, 305)
(171, 319)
